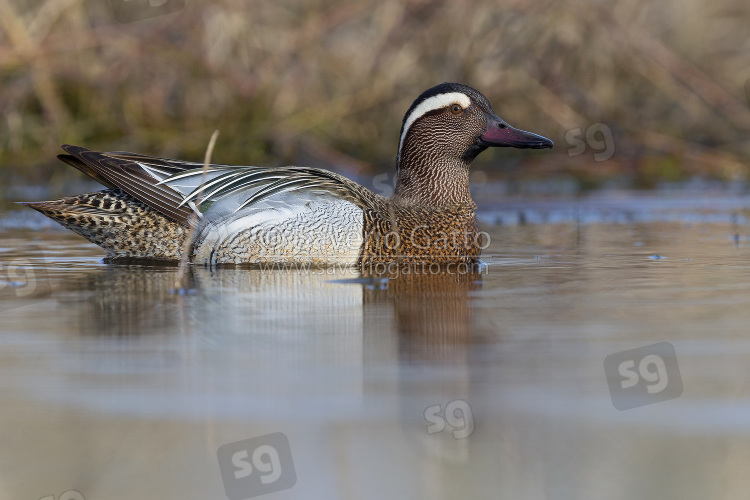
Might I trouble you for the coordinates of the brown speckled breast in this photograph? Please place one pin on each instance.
(413, 234)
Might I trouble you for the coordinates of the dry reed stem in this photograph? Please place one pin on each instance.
(180, 277)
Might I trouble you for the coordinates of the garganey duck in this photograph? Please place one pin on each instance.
(296, 214)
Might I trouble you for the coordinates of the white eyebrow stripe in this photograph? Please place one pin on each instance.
(435, 102)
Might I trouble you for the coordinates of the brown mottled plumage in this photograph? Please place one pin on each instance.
(117, 222)
(420, 233)
(298, 214)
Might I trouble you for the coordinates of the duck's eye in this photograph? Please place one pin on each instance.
(456, 109)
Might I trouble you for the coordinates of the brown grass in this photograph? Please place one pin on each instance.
(284, 80)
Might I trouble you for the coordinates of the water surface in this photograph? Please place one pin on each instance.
(117, 387)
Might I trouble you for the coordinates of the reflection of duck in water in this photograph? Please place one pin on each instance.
(435, 335)
(431, 312)
(299, 214)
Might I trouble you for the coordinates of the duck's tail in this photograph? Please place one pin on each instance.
(122, 225)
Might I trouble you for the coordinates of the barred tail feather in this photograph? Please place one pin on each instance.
(122, 225)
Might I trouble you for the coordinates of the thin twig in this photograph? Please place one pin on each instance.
(179, 279)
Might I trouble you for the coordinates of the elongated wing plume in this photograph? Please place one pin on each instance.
(172, 187)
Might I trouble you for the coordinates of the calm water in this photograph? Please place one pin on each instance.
(114, 386)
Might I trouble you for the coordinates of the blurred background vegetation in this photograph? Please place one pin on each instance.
(662, 87)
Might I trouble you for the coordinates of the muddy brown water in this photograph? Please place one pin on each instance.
(604, 352)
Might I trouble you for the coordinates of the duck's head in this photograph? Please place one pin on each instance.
(443, 131)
